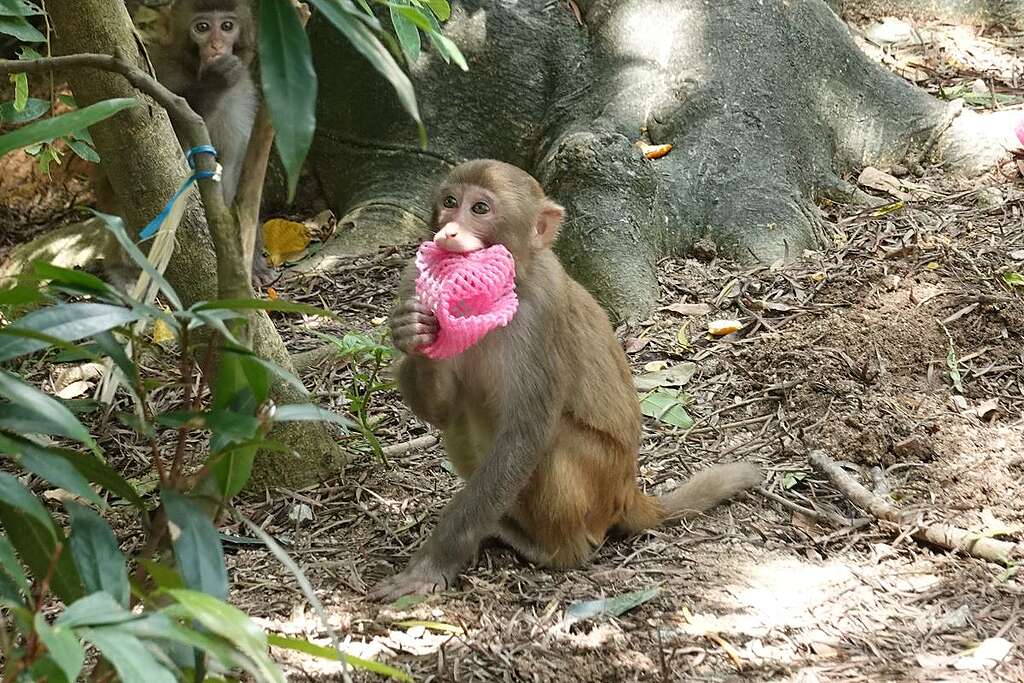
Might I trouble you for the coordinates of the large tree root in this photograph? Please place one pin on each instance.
(941, 535)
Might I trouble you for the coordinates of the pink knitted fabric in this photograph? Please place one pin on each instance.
(471, 294)
(1019, 130)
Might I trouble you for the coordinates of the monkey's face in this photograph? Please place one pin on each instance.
(215, 33)
(465, 218)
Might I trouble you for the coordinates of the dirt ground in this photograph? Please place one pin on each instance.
(897, 351)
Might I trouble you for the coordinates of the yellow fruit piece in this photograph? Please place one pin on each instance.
(272, 294)
(720, 328)
(655, 151)
(284, 240)
(817, 277)
(934, 265)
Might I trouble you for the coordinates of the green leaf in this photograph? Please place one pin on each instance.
(63, 647)
(97, 609)
(84, 151)
(263, 305)
(22, 30)
(440, 8)
(12, 567)
(33, 109)
(164, 576)
(110, 347)
(289, 84)
(1013, 278)
(232, 624)
(367, 44)
(20, 295)
(131, 659)
(612, 607)
(12, 493)
(19, 8)
(307, 412)
(232, 470)
(160, 626)
(49, 414)
(675, 376)
(197, 548)
(227, 426)
(48, 129)
(304, 646)
(67, 322)
(50, 466)
(86, 283)
(35, 537)
(448, 49)
(116, 226)
(20, 91)
(405, 20)
(665, 406)
(94, 549)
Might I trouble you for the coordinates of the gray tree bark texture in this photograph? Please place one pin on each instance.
(1006, 14)
(145, 164)
(768, 103)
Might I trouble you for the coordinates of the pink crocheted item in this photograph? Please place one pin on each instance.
(471, 294)
(1019, 130)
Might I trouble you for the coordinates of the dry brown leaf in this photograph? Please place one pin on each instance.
(688, 309)
(635, 344)
(284, 240)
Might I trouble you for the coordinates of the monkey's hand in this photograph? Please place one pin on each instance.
(412, 325)
(422, 576)
(222, 73)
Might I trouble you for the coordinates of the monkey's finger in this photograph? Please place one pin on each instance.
(428, 320)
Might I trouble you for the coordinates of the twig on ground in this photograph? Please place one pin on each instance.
(942, 535)
(822, 516)
(401, 448)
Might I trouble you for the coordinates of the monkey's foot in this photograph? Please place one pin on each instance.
(415, 580)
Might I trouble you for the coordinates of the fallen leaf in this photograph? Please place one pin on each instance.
(611, 607)
(322, 225)
(637, 344)
(882, 181)
(656, 365)
(985, 409)
(985, 656)
(675, 376)
(1017, 254)
(933, 265)
(74, 390)
(719, 328)
(284, 240)
(378, 321)
(655, 151)
(1013, 278)
(817, 277)
(665, 406)
(683, 336)
(688, 309)
(162, 332)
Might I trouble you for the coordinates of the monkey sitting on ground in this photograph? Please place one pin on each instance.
(540, 417)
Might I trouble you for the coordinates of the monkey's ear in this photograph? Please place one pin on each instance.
(548, 221)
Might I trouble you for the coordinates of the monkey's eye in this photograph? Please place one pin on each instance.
(202, 27)
(449, 202)
(480, 208)
(227, 26)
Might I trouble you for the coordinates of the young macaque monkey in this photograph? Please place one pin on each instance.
(540, 417)
(210, 49)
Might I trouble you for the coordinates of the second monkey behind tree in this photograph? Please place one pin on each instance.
(541, 417)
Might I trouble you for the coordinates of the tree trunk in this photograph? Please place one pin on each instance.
(768, 105)
(1006, 14)
(145, 164)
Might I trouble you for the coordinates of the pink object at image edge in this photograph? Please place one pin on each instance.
(447, 280)
(1019, 130)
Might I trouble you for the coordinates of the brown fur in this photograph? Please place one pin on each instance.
(541, 417)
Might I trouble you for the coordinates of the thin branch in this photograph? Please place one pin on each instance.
(942, 535)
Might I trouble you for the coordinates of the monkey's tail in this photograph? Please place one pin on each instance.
(700, 493)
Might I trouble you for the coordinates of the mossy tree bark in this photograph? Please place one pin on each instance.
(769, 105)
(145, 164)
